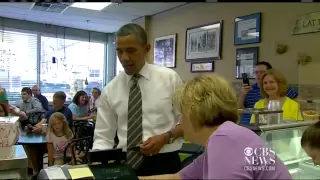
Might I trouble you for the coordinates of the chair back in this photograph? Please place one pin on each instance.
(79, 150)
(82, 129)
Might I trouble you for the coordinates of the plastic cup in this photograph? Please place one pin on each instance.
(44, 128)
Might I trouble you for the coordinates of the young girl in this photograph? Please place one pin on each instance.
(59, 135)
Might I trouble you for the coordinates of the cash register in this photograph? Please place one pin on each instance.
(110, 164)
(102, 164)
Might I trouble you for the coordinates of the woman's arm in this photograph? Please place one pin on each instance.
(160, 177)
(77, 118)
(50, 154)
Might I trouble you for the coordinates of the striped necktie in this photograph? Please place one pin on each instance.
(134, 134)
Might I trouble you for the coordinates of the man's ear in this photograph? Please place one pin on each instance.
(148, 47)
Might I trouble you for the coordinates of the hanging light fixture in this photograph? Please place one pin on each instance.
(54, 58)
(2, 45)
(64, 48)
(89, 55)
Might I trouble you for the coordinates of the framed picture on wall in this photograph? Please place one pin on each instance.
(246, 59)
(165, 51)
(202, 67)
(247, 29)
(204, 43)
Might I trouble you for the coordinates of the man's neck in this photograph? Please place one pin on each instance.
(27, 99)
(57, 109)
(258, 84)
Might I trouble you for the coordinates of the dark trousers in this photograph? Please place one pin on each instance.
(162, 163)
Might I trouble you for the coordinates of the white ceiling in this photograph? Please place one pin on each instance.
(107, 20)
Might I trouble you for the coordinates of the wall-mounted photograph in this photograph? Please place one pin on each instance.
(165, 51)
(204, 42)
(246, 59)
(202, 67)
(247, 29)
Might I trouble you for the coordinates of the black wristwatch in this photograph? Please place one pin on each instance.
(171, 137)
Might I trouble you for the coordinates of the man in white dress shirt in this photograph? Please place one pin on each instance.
(137, 104)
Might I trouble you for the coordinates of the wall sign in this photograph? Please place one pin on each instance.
(247, 29)
(307, 23)
(246, 59)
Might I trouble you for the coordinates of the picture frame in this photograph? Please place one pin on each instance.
(196, 67)
(204, 43)
(165, 51)
(246, 59)
(247, 29)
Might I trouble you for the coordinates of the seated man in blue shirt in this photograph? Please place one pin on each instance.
(251, 94)
(59, 98)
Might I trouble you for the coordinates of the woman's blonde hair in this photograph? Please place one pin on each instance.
(207, 101)
(280, 79)
(59, 116)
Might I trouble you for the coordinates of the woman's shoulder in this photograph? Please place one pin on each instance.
(260, 103)
(290, 101)
(72, 105)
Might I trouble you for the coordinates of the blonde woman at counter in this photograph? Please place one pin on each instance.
(209, 117)
(274, 87)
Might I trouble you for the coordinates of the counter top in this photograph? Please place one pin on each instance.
(13, 158)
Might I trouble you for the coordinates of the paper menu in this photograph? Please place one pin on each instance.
(79, 173)
(55, 173)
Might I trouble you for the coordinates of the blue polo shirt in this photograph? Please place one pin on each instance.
(65, 111)
(254, 96)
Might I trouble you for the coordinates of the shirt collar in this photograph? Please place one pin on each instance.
(255, 86)
(144, 72)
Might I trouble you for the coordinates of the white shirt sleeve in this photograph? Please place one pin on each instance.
(106, 122)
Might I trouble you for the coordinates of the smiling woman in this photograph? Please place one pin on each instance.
(274, 87)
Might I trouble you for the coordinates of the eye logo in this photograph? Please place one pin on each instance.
(248, 151)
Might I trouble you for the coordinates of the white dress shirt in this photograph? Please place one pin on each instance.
(157, 86)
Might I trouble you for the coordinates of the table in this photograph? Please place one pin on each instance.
(32, 138)
(35, 139)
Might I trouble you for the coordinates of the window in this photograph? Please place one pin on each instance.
(119, 67)
(18, 62)
(67, 64)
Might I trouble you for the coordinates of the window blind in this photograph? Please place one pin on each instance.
(18, 62)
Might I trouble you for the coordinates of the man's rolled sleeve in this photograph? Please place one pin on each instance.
(106, 124)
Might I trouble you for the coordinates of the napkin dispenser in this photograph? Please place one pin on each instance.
(9, 134)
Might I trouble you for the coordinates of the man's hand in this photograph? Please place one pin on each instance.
(22, 115)
(154, 144)
(245, 89)
(36, 129)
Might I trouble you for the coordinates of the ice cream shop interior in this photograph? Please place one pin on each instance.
(67, 73)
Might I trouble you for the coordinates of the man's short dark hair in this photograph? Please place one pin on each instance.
(26, 90)
(60, 95)
(268, 65)
(135, 30)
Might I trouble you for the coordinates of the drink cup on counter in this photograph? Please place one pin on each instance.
(274, 105)
(274, 118)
